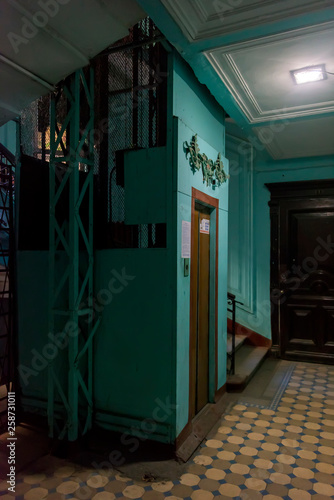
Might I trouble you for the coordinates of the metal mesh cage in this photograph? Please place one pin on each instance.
(130, 113)
(35, 127)
(29, 130)
(137, 108)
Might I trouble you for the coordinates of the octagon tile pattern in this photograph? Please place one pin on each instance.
(285, 452)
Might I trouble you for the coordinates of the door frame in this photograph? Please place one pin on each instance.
(280, 191)
(213, 204)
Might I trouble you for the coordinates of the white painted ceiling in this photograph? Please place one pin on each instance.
(253, 60)
(299, 139)
(257, 73)
(250, 46)
(43, 41)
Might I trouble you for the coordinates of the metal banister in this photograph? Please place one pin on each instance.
(232, 302)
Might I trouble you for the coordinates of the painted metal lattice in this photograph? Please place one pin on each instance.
(71, 318)
(130, 113)
(137, 109)
(7, 172)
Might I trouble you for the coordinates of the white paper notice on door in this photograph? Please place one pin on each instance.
(204, 226)
(186, 231)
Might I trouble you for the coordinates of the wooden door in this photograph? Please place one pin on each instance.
(200, 308)
(303, 254)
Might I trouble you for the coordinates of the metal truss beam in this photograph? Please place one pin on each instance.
(7, 280)
(71, 316)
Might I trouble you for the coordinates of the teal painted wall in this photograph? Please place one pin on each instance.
(35, 347)
(241, 224)
(32, 270)
(133, 353)
(134, 360)
(8, 136)
(194, 105)
(197, 112)
(249, 223)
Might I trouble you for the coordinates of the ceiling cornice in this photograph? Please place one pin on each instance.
(197, 23)
(222, 60)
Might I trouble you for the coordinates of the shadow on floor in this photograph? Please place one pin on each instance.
(137, 458)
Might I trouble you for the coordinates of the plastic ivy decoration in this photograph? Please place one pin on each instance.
(213, 172)
(194, 151)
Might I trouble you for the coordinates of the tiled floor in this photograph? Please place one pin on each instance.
(283, 452)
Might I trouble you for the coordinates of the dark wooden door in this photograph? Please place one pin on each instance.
(302, 284)
(200, 308)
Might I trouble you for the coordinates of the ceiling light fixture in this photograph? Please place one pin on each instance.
(309, 74)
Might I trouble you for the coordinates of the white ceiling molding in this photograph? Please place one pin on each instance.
(200, 19)
(257, 73)
(302, 138)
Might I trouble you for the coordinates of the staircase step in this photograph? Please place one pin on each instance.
(239, 340)
(247, 361)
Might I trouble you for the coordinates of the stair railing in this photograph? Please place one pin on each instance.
(231, 356)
